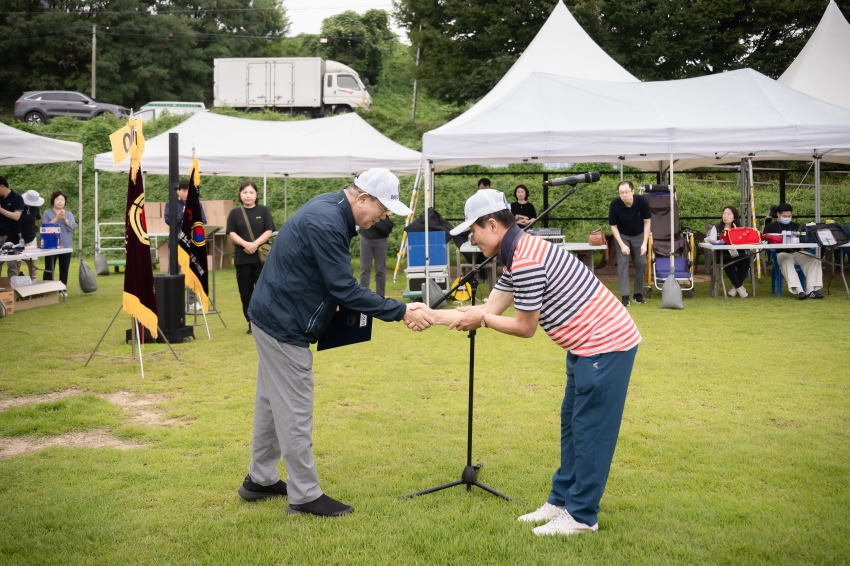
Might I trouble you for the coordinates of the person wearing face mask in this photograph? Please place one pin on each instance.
(811, 266)
(735, 270)
(306, 277)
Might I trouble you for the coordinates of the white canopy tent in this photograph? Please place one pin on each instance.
(550, 118)
(732, 116)
(561, 47)
(339, 146)
(21, 148)
(822, 69)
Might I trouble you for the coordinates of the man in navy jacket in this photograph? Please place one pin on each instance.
(307, 275)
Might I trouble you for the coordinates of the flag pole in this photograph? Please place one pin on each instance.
(139, 344)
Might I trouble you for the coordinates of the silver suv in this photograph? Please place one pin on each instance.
(39, 106)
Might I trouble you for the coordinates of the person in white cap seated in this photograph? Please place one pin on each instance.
(552, 289)
(29, 231)
(306, 277)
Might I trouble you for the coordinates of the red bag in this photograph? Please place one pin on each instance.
(772, 238)
(741, 236)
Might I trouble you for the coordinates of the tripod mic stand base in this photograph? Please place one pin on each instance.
(469, 478)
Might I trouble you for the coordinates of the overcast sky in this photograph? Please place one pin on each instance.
(305, 16)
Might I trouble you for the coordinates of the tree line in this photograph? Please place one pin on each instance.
(466, 47)
(146, 49)
(153, 49)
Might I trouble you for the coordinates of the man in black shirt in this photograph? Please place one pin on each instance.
(374, 243)
(811, 266)
(629, 218)
(11, 208)
(30, 216)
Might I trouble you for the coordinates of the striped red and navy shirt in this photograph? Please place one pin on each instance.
(576, 310)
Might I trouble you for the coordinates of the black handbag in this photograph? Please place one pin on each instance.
(827, 235)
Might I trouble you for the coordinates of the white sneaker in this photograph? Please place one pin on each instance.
(564, 524)
(732, 292)
(742, 292)
(544, 514)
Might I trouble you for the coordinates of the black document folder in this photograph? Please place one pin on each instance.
(347, 327)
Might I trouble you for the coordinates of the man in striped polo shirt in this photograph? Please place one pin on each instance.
(551, 288)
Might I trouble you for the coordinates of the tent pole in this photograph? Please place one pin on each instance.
(622, 158)
(264, 188)
(672, 228)
(285, 196)
(742, 175)
(96, 225)
(429, 186)
(816, 158)
(80, 218)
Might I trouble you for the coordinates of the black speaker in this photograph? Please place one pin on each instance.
(171, 304)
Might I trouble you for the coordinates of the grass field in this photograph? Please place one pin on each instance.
(734, 445)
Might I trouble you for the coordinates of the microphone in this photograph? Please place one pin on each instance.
(574, 180)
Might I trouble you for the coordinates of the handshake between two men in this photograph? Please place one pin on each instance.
(420, 317)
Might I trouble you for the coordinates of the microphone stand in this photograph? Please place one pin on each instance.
(469, 476)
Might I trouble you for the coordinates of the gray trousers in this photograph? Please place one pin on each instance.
(12, 266)
(634, 243)
(283, 418)
(376, 249)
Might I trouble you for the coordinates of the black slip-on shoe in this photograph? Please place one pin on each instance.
(250, 491)
(639, 299)
(802, 296)
(625, 301)
(324, 506)
(815, 295)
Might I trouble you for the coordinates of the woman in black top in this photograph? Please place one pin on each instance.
(245, 257)
(29, 225)
(522, 209)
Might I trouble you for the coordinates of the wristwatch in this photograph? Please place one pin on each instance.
(483, 322)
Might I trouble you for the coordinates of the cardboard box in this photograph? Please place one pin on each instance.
(154, 210)
(217, 221)
(157, 226)
(162, 256)
(38, 294)
(216, 208)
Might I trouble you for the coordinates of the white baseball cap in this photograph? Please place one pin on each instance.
(482, 203)
(32, 198)
(383, 185)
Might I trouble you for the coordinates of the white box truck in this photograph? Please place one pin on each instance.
(301, 85)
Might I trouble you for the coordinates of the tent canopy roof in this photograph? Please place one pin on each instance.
(339, 146)
(822, 69)
(550, 118)
(22, 148)
(561, 47)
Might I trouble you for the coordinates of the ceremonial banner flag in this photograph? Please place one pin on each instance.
(139, 299)
(192, 241)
